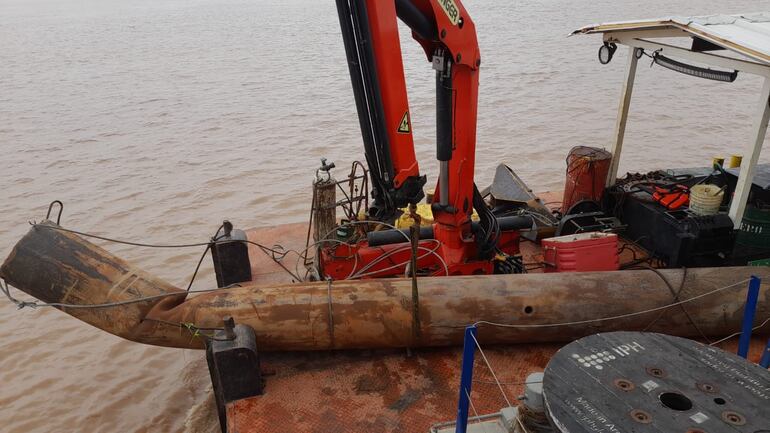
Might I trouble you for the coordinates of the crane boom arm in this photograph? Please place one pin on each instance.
(373, 49)
(448, 36)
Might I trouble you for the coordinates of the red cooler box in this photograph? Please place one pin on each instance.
(583, 252)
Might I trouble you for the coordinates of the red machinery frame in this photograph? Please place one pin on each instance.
(447, 34)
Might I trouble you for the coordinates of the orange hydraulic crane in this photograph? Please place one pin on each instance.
(447, 34)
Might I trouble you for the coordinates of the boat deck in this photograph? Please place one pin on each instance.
(379, 391)
(373, 392)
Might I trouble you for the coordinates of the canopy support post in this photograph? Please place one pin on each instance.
(620, 126)
(751, 156)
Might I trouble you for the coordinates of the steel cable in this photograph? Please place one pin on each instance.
(276, 255)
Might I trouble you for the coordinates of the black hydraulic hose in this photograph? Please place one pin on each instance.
(385, 237)
(489, 226)
(416, 20)
(373, 91)
(359, 93)
(444, 113)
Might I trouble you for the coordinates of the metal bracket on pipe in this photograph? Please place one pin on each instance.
(50, 208)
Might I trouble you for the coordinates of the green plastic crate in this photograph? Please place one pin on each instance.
(762, 262)
(755, 228)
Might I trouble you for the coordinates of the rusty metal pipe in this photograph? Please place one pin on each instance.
(56, 266)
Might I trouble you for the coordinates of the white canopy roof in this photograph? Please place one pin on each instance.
(747, 34)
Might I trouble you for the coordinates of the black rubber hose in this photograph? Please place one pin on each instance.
(416, 20)
(359, 94)
(386, 237)
(444, 126)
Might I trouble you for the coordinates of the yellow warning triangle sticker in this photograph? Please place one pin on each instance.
(405, 126)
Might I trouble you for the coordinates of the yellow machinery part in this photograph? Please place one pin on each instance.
(426, 215)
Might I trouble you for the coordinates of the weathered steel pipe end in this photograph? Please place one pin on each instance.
(39, 264)
(56, 266)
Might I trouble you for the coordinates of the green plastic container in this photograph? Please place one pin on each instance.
(763, 262)
(755, 228)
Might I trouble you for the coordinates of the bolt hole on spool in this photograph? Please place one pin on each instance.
(720, 401)
(529, 309)
(640, 416)
(733, 418)
(675, 401)
(656, 372)
(624, 384)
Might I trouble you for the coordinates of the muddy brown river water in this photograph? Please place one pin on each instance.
(155, 119)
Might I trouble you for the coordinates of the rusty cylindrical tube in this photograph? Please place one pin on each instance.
(587, 169)
(55, 266)
(324, 208)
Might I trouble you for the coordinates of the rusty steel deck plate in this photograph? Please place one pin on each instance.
(378, 391)
(386, 392)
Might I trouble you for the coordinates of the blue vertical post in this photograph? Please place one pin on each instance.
(764, 362)
(466, 376)
(748, 316)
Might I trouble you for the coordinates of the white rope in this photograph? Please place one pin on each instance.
(391, 253)
(621, 316)
(302, 255)
(521, 424)
(360, 273)
(476, 414)
(489, 366)
(35, 304)
(739, 333)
